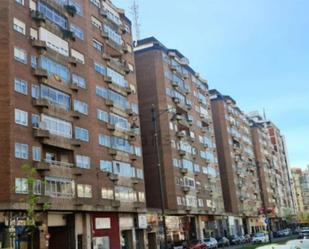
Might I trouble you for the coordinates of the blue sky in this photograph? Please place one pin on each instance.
(257, 51)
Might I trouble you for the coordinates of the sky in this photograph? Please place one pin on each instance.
(256, 51)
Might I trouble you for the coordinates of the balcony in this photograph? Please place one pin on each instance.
(41, 166)
(180, 134)
(111, 127)
(185, 189)
(123, 90)
(138, 204)
(41, 45)
(133, 157)
(70, 9)
(38, 17)
(41, 133)
(113, 177)
(119, 65)
(181, 152)
(183, 171)
(135, 180)
(109, 103)
(115, 203)
(40, 73)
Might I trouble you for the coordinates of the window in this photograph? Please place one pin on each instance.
(117, 78)
(99, 68)
(82, 161)
(52, 15)
(36, 153)
(54, 42)
(84, 191)
(106, 166)
(21, 186)
(21, 117)
(21, 86)
(21, 151)
(125, 194)
(104, 140)
(119, 122)
(78, 56)
(113, 35)
(59, 187)
(57, 126)
(35, 120)
(20, 2)
(19, 26)
(123, 169)
(79, 81)
(141, 196)
(107, 193)
(179, 201)
(37, 187)
(80, 107)
(20, 55)
(81, 134)
(78, 32)
(56, 97)
(96, 23)
(35, 91)
(102, 115)
(97, 45)
(200, 203)
(55, 68)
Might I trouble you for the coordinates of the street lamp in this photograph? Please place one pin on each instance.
(155, 116)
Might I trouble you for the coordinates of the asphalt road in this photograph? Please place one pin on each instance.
(274, 240)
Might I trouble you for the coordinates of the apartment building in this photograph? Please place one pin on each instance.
(69, 109)
(297, 173)
(273, 182)
(238, 168)
(190, 174)
(280, 151)
(301, 186)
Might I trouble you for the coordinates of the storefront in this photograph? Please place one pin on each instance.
(212, 226)
(256, 224)
(104, 228)
(235, 225)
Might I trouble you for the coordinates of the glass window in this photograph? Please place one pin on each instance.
(56, 97)
(35, 120)
(96, 3)
(37, 187)
(21, 151)
(59, 187)
(21, 117)
(80, 107)
(125, 194)
(81, 134)
(102, 115)
(21, 186)
(117, 78)
(21, 86)
(79, 81)
(97, 45)
(82, 161)
(119, 122)
(36, 153)
(57, 126)
(55, 68)
(113, 35)
(84, 191)
(107, 194)
(52, 15)
(19, 26)
(20, 55)
(78, 32)
(101, 69)
(106, 166)
(20, 2)
(35, 91)
(104, 140)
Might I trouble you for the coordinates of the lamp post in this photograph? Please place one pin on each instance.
(155, 116)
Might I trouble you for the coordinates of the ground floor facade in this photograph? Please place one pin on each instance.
(113, 230)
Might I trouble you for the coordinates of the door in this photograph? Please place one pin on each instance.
(126, 239)
(152, 241)
(58, 237)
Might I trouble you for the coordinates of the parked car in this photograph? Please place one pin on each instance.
(284, 232)
(223, 241)
(304, 233)
(234, 240)
(211, 242)
(243, 239)
(260, 238)
(197, 244)
(248, 238)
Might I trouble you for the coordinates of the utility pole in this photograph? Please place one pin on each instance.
(136, 18)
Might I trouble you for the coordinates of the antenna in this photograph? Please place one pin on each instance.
(264, 114)
(135, 13)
